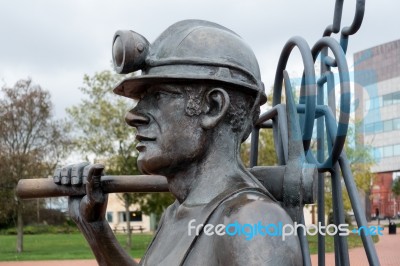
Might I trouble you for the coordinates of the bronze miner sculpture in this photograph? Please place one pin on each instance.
(199, 97)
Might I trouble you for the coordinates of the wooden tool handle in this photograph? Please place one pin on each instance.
(45, 187)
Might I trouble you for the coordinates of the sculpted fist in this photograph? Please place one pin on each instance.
(92, 206)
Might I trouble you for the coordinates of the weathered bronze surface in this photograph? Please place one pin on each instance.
(198, 97)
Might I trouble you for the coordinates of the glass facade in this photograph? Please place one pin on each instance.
(386, 151)
(384, 100)
(382, 126)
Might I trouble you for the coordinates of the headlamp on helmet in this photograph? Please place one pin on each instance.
(130, 50)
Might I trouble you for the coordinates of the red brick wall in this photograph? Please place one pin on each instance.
(382, 197)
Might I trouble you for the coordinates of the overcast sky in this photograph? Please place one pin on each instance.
(57, 42)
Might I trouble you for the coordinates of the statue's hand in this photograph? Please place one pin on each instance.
(91, 207)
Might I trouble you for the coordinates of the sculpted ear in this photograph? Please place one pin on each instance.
(216, 105)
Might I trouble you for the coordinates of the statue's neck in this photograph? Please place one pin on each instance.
(204, 179)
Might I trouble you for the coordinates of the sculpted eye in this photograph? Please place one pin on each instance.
(160, 95)
(166, 94)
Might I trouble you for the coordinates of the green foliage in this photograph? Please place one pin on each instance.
(361, 161)
(31, 144)
(121, 165)
(7, 212)
(396, 187)
(99, 124)
(43, 229)
(347, 219)
(101, 130)
(98, 120)
(266, 149)
(155, 203)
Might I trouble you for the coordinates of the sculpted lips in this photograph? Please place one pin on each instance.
(142, 140)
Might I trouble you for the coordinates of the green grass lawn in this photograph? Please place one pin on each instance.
(353, 240)
(62, 246)
(74, 246)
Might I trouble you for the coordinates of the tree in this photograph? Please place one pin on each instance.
(101, 130)
(155, 203)
(360, 160)
(31, 142)
(98, 120)
(266, 149)
(118, 165)
(396, 186)
(7, 212)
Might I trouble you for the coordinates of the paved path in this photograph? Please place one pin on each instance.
(387, 248)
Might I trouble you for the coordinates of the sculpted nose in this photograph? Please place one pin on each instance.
(134, 119)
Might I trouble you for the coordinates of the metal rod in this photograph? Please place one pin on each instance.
(321, 217)
(338, 215)
(267, 124)
(268, 115)
(308, 82)
(254, 146)
(358, 212)
(305, 250)
(321, 177)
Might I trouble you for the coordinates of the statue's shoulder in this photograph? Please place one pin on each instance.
(249, 204)
(252, 221)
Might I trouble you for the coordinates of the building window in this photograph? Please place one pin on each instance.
(135, 216)
(109, 217)
(388, 151)
(369, 128)
(387, 99)
(382, 126)
(396, 123)
(377, 153)
(380, 100)
(385, 151)
(378, 126)
(396, 150)
(384, 100)
(375, 103)
(367, 105)
(388, 125)
(396, 98)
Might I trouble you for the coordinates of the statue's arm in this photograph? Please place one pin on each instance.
(104, 245)
(88, 212)
(257, 248)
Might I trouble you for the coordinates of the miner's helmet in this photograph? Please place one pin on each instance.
(189, 50)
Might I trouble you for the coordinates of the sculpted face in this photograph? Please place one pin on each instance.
(168, 138)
